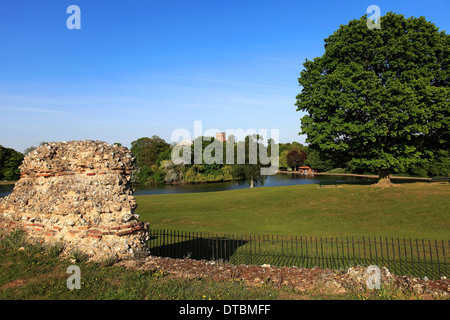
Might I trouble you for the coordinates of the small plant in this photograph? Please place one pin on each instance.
(14, 240)
(235, 274)
(111, 260)
(78, 256)
(54, 250)
(188, 255)
(140, 255)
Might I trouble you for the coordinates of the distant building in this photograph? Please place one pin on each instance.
(220, 136)
(185, 143)
(305, 170)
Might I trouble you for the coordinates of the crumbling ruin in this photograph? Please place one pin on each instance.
(79, 193)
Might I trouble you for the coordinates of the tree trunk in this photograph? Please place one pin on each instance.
(384, 179)
(251, 183)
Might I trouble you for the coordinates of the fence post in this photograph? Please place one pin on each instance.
(364, 246)
(176, 243)
(418, 257)
(431, 257)
(291, 258)
(399, 256)
(332, 261)
(424, 258)
(406, 256)
(259, 244)
(183, 243)
(321, 251)
(387, 252)
(443, 253)
(160, 240)
(306, 249)
(278, 252)
(412, 257)
(376, 251)
(216, 241)
(317, 253)
(163, 248)
(393, 253)
(250, 257)
(186, 243)
(437, 256)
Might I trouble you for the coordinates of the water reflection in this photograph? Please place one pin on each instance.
(271, 181)
(6, 189)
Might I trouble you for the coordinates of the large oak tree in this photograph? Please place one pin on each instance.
(378, 98)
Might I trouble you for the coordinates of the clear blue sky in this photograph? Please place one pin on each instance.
(142, 67)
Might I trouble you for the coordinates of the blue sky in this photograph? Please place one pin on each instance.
(143, 68)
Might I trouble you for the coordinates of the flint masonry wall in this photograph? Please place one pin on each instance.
(79, 193)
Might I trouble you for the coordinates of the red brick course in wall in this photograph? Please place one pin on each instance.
(90, 231)
(57, 173)
(78, 191)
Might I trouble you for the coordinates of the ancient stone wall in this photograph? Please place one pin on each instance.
(79, 193)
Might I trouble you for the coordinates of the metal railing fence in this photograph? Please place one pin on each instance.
(412, 257)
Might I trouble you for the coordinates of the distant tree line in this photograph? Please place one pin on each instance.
(154, 164)
(10, 160)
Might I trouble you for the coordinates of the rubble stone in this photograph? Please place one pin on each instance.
(79, 193)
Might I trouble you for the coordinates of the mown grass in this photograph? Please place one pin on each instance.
(413, 210)
(38, 272)
(35, 271)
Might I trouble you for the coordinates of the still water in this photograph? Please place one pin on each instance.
(271, 181)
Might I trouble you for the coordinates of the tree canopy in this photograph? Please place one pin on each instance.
(249, 171)
(378, 98)
(147, 150)
(296, 158)
(10, 160)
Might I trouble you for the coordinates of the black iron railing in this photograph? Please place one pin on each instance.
(412, 257)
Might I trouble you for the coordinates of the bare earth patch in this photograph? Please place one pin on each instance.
(14, 284)
(316, 280)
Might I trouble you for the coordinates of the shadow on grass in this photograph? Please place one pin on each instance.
(210, 248)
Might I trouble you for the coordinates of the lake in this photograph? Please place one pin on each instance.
(271, 181)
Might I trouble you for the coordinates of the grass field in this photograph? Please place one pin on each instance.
(410, 210)
(413, 210)
(38, 272)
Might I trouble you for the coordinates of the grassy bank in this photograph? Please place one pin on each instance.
(7, 182)
(417, 210)
(410, 210)
(37, 272)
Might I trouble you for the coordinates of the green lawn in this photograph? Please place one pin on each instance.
(415, 210)
(38, 272)
(411, 210)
